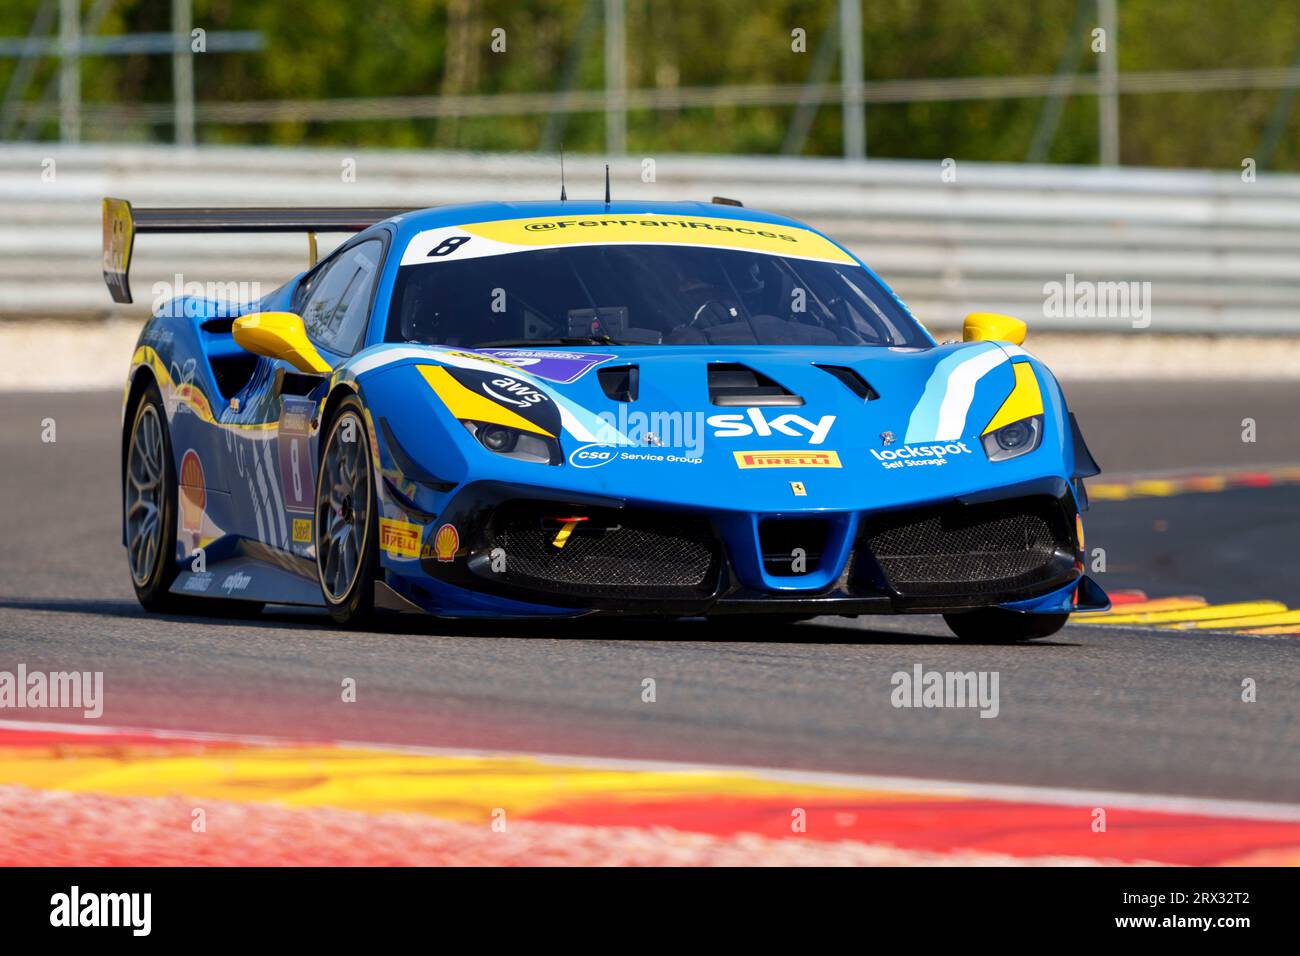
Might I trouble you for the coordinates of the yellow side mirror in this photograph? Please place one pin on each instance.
(985, 326)
(280, 335)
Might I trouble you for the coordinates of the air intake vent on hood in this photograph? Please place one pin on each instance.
(858, 385)
(620, 382)
(731, 384)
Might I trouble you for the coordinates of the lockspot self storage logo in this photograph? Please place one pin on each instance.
(911, 456)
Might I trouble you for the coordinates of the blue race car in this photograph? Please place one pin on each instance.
(563, 409)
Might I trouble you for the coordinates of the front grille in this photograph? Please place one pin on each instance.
(638, 553)
(987, 548)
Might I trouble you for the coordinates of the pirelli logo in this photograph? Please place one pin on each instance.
(399, 539)
(787, 459)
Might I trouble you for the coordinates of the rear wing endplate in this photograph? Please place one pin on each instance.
(121, 223)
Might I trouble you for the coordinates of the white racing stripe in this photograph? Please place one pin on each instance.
(961, 392)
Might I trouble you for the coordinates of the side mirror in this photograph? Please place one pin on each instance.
(280, 335)
(985, 326)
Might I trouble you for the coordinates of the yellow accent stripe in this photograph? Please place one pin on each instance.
(1285, 629)
(470, 406)
(1025, 400)
(1213, 612)
(1252, 620)
(562, 538)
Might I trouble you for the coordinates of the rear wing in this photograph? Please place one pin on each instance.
(121, 223)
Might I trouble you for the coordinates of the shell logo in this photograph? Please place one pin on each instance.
(194, 492)
(446, 542)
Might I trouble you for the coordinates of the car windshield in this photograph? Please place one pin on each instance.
(644, 295)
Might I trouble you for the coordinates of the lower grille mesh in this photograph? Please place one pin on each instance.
(970, 548)
(643, 553)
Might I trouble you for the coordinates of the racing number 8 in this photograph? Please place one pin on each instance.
(449, 245)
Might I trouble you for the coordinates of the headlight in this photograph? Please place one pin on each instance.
(515, 443)
(1013, 440)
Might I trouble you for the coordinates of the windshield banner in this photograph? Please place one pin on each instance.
(474, 240)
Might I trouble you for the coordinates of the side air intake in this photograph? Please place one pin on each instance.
(620, 383)
(854, 382)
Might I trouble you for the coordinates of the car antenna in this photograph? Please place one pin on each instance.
(563, 196)
(607, 187)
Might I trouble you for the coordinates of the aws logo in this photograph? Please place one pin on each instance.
(792, 426)
(514, 392)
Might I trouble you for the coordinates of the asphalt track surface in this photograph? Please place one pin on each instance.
(1097, 708)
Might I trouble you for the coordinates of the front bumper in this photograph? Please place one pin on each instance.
(1015, 546)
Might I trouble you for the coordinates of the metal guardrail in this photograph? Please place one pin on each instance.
(1220, 254)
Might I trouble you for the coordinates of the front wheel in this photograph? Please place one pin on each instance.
(347, 555)
(995, 625)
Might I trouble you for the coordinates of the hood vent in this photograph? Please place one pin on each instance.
(731, 384)
(855, 383)
(620, 382)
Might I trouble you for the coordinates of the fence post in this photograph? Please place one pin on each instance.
(1108, 101)
(70, 71)
(855, 129)
(615, 80)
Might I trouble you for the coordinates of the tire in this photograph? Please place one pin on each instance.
(149, 493)
(995, 625)
(347, 541)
